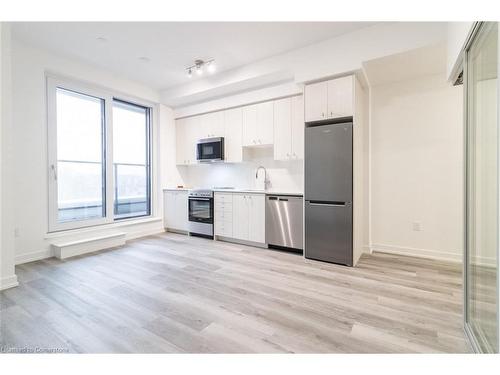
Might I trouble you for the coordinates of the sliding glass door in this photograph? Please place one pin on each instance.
(99, 154)
(482, 223)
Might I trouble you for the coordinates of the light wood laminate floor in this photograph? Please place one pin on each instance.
(172, 293)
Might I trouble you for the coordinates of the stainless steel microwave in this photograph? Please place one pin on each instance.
(210, 149)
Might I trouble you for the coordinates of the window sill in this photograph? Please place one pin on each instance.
(118, 224)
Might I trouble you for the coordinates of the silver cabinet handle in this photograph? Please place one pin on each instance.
(327, 204)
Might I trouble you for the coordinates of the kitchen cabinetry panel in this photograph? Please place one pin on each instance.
(297, 127)
(316, 101)
(289, 127)
(212, 125)
(258, 124)
(282, 129)
(340, 97)
(180, 142)
(249, 125)
(256, 217)
(240, 216)
(329, 99)
(233, 122)
(175, 209)
(265, 119)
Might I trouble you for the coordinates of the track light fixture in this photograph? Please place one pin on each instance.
(199, 67)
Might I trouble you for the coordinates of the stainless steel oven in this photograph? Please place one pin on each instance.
(201, 212)
(210, 149)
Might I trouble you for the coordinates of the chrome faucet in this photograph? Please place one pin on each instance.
(266, 181)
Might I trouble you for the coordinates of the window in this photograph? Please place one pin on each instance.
(99, 151)
(131, 160)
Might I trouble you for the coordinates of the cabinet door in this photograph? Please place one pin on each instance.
(180, 142)
(212, 125)
(282, 128)
(257, 218)
(265, 120)
(193, 134)
(316, 99)
(169, 209)
(233, 147)
(181, 210)
(297, 132)
(249, 132)
(240, 216)
(340, 97)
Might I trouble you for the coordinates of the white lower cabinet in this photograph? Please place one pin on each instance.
(240, 216)
(175, 209)
(223, 215)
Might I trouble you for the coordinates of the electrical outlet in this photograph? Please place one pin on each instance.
(16, 232)
(417, 226)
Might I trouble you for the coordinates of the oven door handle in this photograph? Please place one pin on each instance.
(199, 199)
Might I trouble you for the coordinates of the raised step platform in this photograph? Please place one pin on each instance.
(69, 248)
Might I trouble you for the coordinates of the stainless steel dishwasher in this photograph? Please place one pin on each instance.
(284, 221)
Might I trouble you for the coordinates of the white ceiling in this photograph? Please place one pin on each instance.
(172, 46)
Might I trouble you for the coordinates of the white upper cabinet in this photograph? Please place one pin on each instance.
(233, 122)
(258, 124)
(329, 99)
(289, 128)
(283, 129)
(192, 135)
(340, 97)
(185, 137)
(265, 118)
(316, 101)
(249, 135)
(180, 141)
(212, 125)
(297, 127)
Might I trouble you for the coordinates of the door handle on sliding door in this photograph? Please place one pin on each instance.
(53, 167)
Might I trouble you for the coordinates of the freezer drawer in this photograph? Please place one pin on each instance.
(284, 221)
(328, 163)
(329, 232)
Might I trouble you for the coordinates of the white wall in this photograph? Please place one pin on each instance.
(457, 34)
(7, 273)
(29, 141)
(283, 175)
(417, 167)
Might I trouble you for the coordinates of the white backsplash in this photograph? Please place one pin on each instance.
(283, 175)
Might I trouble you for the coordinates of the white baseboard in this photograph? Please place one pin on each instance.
(34, 256)
(145, 233)
(456, 257)
(8, 282)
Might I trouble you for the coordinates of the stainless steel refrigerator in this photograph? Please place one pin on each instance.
(328, 193)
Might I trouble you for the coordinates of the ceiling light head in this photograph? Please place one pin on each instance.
(101, 39)
(211, 67)
(199, 65)
(144, 59)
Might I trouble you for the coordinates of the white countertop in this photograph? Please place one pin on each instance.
(248, 191)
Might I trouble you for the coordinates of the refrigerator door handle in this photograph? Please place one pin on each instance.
(327, 204)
